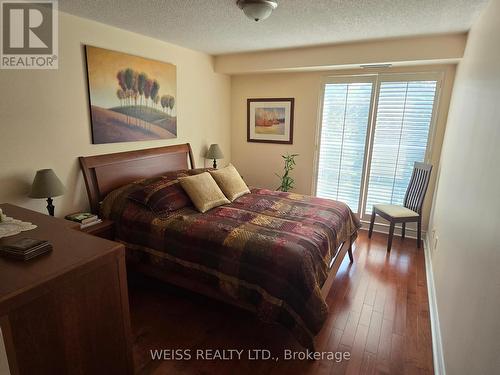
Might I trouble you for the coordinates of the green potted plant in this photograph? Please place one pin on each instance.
(287, 182)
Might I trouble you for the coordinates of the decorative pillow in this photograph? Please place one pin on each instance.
(192, 172)
(203, 191)
(176, 174)
(230, 182)
(162, 195)
(185, 172)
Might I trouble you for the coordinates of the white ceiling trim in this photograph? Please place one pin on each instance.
(439, 49)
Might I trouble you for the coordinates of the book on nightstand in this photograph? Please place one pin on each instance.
(82, 217)
(86, 219)
(25, 248)
(86, 225)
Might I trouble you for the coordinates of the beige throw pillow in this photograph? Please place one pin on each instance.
(230, 182)
(203, 191)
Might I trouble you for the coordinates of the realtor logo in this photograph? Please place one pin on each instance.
(29, 35)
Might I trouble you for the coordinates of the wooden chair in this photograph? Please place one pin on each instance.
(411, 211)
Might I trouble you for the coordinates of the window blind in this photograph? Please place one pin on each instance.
(404, 114)
(346, 109)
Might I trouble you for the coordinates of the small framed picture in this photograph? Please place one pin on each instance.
(270, 120)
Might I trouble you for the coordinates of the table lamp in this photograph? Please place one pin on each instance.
(46, 185)
(214, 152)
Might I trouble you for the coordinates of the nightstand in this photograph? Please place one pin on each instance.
(106, 229)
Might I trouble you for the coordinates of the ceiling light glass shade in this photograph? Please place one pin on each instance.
(257, 9)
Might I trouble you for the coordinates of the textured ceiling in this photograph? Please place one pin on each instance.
(219, 26)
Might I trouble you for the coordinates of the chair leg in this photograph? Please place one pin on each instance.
(372, 221)
(391, 234)
(419, 232)
(403, 229)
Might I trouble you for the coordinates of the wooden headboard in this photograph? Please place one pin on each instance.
(104, 173)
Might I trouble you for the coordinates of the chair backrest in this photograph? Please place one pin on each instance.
(415, 193)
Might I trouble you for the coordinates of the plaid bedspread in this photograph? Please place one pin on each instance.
(267, 249)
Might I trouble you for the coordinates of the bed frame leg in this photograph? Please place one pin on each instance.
(349, 251)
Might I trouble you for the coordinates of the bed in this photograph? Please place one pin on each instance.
(273, 253)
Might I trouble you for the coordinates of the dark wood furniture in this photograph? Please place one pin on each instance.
(65, 312)
(411, 211)
(106, 229)
(103, 173)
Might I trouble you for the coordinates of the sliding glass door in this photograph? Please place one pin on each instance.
(373, 129)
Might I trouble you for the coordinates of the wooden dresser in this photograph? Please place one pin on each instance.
(66, 312)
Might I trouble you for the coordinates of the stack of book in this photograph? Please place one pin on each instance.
(25, 248)
(86, 219)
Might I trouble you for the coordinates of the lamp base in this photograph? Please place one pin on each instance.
(215, 163)
(50, 206)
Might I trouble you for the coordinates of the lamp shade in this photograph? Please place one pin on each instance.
(214, 152)
(46, 185)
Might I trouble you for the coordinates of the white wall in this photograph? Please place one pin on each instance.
(466, 261)
(45, 116)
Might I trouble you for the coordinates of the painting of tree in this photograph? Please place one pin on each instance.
(131, 98)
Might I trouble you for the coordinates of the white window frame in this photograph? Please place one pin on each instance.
(376, 79)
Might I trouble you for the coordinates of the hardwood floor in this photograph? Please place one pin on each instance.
(378, 313)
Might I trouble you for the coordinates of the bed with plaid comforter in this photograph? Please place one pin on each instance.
(267, 249)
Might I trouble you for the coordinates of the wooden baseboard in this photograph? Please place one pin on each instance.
(437, 347)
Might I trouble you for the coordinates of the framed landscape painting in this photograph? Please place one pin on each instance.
(131, 98)
(270, 120)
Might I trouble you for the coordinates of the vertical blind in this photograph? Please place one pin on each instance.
(400, 131)
(346, 110)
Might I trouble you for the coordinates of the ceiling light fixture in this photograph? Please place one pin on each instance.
(257, 9)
